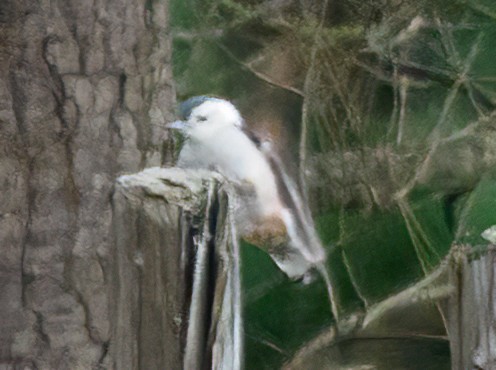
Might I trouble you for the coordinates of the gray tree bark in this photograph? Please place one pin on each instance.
(85, 87)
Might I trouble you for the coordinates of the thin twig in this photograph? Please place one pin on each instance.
(436, 134)
(337, 86)
(394, 113)
(191, 36)
(304, 110)
(404, 82)
(259, 74)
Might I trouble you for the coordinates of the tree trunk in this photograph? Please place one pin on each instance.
(85, 89)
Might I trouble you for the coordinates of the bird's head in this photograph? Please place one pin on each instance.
(206, 113)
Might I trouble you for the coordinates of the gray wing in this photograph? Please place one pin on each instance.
(256, 139)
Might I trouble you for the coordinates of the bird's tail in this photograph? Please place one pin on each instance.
(302, 233)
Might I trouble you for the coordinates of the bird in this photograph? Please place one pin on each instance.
(216, 138)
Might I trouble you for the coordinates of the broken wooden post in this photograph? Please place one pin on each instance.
(471, 308)
(176, 294)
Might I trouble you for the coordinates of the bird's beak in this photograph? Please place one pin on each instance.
(177, 125)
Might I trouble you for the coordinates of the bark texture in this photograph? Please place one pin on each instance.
(176, 297)
(85, 87)
(150, 267)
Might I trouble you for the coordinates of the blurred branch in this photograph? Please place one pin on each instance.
(404, 82)
(259, 74)
(436, 135)
(191, 36)
(304, 110)
(480, 8)
(435, 287)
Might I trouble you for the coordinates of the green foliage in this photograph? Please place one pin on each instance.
(328, 227)
(379, 252)
(477, 213)
(400, 104)
(278, 313)
(182, 16)
(207, 69)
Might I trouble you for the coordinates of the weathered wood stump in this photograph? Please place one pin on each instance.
(176, 294)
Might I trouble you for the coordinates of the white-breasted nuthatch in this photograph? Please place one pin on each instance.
(215, 139)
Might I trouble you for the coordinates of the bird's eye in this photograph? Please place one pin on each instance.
(201, 118)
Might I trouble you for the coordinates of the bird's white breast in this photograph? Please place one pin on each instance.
(229, 151)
